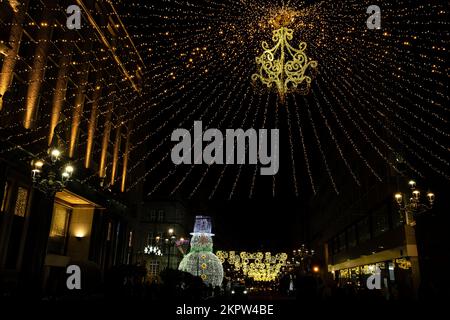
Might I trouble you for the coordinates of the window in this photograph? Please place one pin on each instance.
(5, 197)
(351, 236)
(380, 222)
(153, 215)
(150, 238)
(179, 215)
(153, 268)
(342, 242)
(149, 215)
(16, 228)
(363, 230)
(335, 245)
(130, 239)
(58, 229)
(160, 215)
(397, 219)
(108, 235)
(21, 202)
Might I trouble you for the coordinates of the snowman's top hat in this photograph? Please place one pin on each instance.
(202, 225)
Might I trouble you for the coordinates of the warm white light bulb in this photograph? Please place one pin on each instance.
(55, 153)
(38, 164)
(69, 169)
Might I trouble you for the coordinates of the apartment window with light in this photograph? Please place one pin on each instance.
(17, 226)
(21, 202)
(153, 268)
(59, 230)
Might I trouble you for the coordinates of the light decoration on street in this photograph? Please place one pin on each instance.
(201, 261)
(153, 250)
(412, 206)
(358, 69)
(258, 266)
(283, 66)
(403, 263)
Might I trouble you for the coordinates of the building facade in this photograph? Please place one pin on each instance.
(75, 87)
(360, 232)
(164, 227)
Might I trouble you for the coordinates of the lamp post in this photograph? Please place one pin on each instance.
(170, 240)
(302, 259)
(412, 206)
(51, 174)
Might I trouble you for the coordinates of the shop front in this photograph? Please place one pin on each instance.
(398, 276)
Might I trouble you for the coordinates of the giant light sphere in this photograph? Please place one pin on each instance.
(201, 261)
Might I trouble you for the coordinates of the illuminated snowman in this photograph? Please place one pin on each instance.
(201, 261)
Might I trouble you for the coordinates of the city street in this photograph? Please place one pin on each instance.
(224, 158)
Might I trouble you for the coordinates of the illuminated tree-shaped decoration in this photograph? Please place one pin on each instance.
(201, 261)
(284, 67)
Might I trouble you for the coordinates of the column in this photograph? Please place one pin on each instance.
(92, 123)
(39, 64)
(412, 253)
(105, 141)
(80, 97)
(125, 159)
(9, 62)
(36, 245)
(59, 96)
(115, 154)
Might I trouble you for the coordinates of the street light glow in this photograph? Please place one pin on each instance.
(56, 153)
(38, 164)
(69, 169)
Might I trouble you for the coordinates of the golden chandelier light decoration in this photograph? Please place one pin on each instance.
(282, 66)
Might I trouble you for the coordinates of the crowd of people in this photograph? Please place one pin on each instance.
(133, 282)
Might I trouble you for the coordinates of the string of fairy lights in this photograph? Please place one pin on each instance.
(241, 28)
(376, 94)
(258, 266)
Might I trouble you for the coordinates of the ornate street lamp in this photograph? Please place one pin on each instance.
(170, 240)
(412, 206)
(51, 175)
